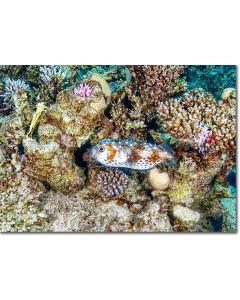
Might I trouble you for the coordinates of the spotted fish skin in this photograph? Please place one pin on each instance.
(129, 154)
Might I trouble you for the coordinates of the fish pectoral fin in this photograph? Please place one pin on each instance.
(164, 156)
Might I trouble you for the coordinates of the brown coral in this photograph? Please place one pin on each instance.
(129, 115)
(197, 117)
(156, 83)
(112, 182)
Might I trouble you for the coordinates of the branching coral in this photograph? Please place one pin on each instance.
(50, 73)
(198, 119)
(129, 116)
(14, 88)
(133, 108)
(156, 83)
(112, 182)
(84, 90)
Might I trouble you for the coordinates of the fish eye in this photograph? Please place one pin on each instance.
(100, 149)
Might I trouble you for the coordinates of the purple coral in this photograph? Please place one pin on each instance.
(83, 90)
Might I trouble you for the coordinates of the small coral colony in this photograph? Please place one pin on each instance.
(117, 148)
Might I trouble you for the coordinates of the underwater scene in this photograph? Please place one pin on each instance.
(114, 148)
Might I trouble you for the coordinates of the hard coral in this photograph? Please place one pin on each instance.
(50, 73)
(158, 180)
(185, 214)
(156, 83)
(84, 90)
(198, 119)
(112, 182)
(83, 212)
(14, 88)
(128, 115)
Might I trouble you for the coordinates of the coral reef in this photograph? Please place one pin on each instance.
(51, 73)
(21, 208)
(53, 118)
(14, 88)
(52, 164)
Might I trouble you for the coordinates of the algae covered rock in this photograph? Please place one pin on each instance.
(52, 164)
(76, 115)
(63, 126)
(152, 220)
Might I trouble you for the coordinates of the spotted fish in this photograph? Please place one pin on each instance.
(129, 154)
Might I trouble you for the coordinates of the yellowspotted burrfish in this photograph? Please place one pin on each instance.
(129, 154)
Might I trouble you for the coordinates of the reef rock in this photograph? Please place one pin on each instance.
(63, 126)
(73, 115)
(51, 163)
(152, 220)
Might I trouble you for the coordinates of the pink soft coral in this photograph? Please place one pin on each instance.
(83, 90)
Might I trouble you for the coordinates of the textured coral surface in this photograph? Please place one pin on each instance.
(51, 117)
